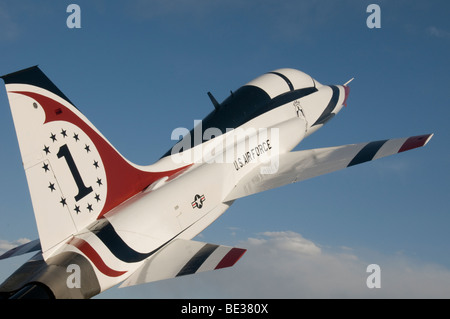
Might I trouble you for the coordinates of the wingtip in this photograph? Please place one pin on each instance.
(231, 258)
(429, 137)
(415, 142)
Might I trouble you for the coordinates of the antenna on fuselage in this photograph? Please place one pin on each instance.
(214, 101)
(348, 82)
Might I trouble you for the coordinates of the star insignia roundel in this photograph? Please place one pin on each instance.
(198, 201)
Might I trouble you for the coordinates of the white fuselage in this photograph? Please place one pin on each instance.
(113, 218)
(186, 205)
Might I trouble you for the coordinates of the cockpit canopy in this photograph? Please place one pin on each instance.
(260, 95)
(283, 81)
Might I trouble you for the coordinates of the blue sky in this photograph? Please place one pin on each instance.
(139, 69)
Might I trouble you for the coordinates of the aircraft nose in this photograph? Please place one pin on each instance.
(347, 92)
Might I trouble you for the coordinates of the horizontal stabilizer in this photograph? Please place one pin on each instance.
(298, 166)
(184, 257)
(34, 245)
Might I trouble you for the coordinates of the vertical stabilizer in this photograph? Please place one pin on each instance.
(74, 174)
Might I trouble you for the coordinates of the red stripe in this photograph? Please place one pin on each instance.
(414, 142)
(123, 179)
(87, 249)
(231, 258)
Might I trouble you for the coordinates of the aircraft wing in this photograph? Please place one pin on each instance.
(184, 257)
(34, 245)
(298, 166)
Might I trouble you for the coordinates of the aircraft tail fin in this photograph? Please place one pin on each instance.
(74, 174)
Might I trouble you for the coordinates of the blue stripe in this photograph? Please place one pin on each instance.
(108, 235)
(285, 78)
(327, 113)
(197, 260)
(367, 153)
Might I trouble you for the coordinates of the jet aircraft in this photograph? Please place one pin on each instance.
(103, 220)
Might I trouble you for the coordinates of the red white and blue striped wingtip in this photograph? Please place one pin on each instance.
(415, 142)
(379, 149)
(184, 257)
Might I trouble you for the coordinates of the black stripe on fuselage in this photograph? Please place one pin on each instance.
(367, 153)
(327, 113)
(108, 235)
(289, 83)
(197, 260)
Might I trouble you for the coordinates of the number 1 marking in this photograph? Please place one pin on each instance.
(82, 189)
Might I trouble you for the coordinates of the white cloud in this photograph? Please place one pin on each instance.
(284, 264)
(287, 265)
(286, 241)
